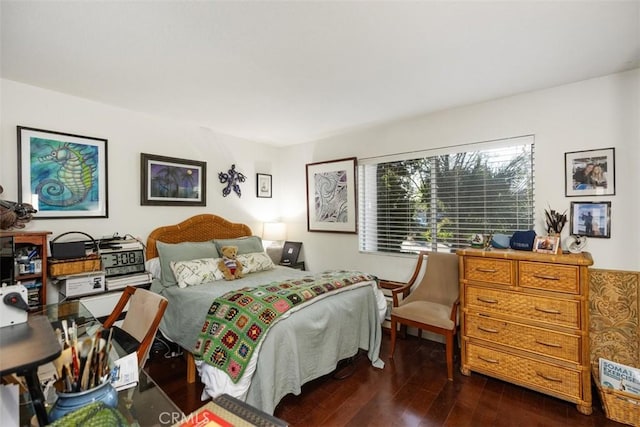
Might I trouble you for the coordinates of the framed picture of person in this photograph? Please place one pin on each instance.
(546, 244)
(591, 219)
(590, 173)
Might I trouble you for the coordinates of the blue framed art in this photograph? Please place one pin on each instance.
(61, 174)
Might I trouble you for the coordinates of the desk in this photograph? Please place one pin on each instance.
(146, 404)
(25, 347)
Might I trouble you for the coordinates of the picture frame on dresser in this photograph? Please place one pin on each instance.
(591, 219)
(62, 175)
(546, 244)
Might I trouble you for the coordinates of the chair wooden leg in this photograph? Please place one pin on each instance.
(420, 333)
(449, 353)
(191, 368)
(403, 331)
(394, 327)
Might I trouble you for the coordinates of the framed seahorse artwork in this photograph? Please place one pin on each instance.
(62, 175)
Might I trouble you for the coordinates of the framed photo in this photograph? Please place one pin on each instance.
(331, 196)
(168, 181)
(290, 253)
(263, 186)
(62, 175)
(591, 219)
(590, 173)
(547, 244)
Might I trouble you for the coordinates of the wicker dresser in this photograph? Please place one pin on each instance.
(525, 320)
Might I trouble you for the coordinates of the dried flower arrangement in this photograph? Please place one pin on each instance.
(555, 221)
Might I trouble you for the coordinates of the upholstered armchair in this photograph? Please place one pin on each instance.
(430, 304)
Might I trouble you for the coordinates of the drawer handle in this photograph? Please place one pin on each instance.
(548, 378)
(487, 270)
(549, 344)
(491, 331)
(548, 310)
(488, 301)
(543, 277)
(494, 361)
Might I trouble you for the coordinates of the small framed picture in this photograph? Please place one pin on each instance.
(290, 253)
(590, 173)
(546, 244)
(263, 188)
(591, 219)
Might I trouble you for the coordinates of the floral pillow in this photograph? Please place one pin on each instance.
(196, 271)
(255, 261)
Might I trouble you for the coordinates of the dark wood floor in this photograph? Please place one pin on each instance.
(412, 390)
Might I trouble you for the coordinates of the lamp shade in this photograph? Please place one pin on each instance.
(274, 231)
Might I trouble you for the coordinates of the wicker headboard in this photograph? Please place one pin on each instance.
(198, 228)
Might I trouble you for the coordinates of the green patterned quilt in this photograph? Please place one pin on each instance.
(238, 321)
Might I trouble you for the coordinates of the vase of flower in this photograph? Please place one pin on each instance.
(555, 221)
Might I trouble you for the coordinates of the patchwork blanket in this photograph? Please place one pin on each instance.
(238, 321)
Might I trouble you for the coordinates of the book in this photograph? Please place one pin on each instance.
(204, 417)
(619, 377)
(125, 373)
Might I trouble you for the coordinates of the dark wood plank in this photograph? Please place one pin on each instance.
(412, 390)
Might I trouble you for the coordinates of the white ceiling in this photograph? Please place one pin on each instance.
(291, 72)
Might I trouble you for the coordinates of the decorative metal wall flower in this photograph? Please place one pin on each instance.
(232, 178)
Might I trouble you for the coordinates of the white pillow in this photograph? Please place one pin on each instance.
(153, 267)
(255, 261)
(196, 271)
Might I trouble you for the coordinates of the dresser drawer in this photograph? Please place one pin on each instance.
(497, 271)
(525, 371)
(530, 338)
(549, 277)
(561, 312)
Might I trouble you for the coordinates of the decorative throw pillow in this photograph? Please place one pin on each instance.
(255, 261)
(185, 251)
(245, 245)
(196, 271)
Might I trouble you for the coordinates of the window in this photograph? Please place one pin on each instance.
(437, 200)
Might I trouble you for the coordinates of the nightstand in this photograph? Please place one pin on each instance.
(298, 265)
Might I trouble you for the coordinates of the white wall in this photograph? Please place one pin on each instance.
(593, 114)
(129, 134)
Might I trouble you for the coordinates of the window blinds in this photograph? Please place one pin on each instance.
(436, 200)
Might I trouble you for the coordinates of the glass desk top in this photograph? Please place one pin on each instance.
(143, 405)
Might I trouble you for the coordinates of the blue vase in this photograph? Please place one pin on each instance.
(68, 402)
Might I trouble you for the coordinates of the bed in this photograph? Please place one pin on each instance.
(304, 344)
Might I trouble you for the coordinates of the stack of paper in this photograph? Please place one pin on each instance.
(125, 372)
